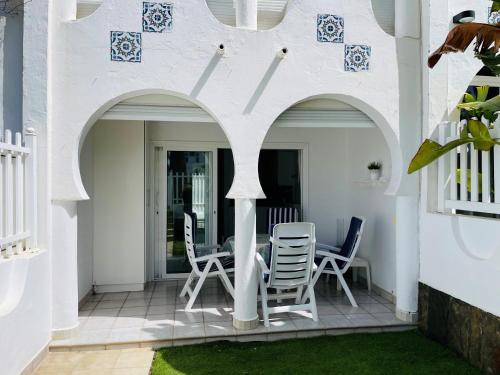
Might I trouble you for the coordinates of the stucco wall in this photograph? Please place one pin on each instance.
(245, 90)
(378, 244)
(86, 220)
(458, 255)
(118, 218)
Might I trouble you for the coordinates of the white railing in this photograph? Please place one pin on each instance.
(468, 179)
(198, 184)
(18, 191)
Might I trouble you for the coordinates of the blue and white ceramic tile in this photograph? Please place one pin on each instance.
(126, 46)
(330, 28)
(493, 17)
(157, 17)
(357, 58)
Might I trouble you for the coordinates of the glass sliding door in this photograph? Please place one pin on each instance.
(185, 185)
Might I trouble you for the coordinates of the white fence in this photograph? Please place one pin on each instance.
(468, 179)
(181, 183)
(18, 193)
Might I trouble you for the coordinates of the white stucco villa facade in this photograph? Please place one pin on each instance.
(112, 97)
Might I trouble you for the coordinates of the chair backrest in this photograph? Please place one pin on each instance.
(280, 215)
(351, 243)
(190, 238)
(292, 266)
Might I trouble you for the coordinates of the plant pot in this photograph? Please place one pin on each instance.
(374, 174)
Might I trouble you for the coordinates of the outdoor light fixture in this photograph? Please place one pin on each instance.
(283, 52)
(466, 16)
(221, 49)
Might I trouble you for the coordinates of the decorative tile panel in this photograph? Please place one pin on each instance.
(157, 17)
(126, 46)
(330, 28)
(493, 17)
(357, 58)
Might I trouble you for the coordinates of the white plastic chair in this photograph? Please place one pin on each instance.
(336, 261)
(212, 264)
(291, 267)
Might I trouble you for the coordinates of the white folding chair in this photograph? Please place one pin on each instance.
(212, 264)
(291, 267)
(336, 261)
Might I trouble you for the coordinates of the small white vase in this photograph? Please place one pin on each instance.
(374, 174)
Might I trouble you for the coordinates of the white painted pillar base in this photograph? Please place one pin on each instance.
(64, 270)
(245, 273)
(407, 259)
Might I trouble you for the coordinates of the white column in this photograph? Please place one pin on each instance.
(245, 274)
(407, 259)
(64, 270)
(246, 14)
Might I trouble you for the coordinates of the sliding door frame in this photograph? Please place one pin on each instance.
(212, 147)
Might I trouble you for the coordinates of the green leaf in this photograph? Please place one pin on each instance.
(495, 7)
(430, 151)
(469, 98)
(482, 93)
(492, 105)
(482, 138)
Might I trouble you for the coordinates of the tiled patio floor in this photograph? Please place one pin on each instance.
(157, 315)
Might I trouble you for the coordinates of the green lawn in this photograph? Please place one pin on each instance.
(385, 353)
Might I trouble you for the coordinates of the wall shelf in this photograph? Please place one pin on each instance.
(368, 183)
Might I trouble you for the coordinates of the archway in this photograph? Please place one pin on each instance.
(322, 146)
(145, 159)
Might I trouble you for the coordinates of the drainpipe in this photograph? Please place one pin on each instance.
(408, 44)
(245, 273)
(246, 14)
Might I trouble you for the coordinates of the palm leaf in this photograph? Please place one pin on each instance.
(459, 38)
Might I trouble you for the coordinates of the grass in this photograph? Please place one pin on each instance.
(385, 353)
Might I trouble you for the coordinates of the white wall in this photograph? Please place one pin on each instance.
(118, 204)
(378, 243)
(25, 310)
(85, 219)
(459, 256)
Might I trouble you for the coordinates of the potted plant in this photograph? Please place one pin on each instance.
(375, 169)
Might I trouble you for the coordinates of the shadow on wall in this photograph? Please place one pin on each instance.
(11, 68)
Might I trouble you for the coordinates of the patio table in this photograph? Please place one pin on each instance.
(262, 242)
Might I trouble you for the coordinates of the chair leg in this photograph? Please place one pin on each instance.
(198, 286)
(187, 288)
(339, 286)
(300, 290)
(344, 285)
(263, 301)
(278, 292)
(315, 278)
(368, 278)
(312, 302)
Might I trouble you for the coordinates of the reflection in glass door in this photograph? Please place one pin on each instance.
(185, 185)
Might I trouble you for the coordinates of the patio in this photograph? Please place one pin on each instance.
(156, 317)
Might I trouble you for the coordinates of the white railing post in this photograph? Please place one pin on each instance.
(30, 186)
(463, 168)
(453, 163)
(19, 193)
(9, 195)
(441, 168)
